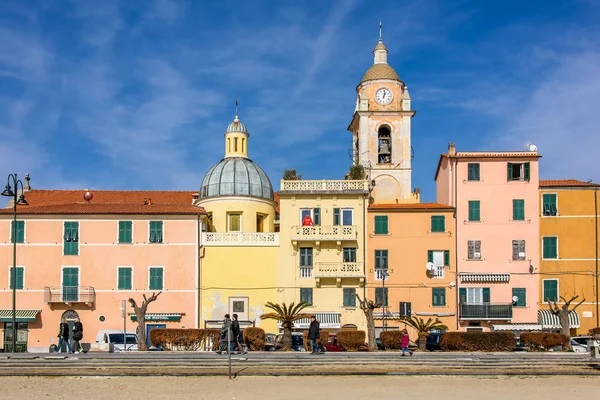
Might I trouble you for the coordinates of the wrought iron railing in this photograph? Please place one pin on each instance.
(69, 294)
(488, 311)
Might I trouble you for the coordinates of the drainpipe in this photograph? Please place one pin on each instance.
(456, 241)
(365, 243)
(596, 220)
(198, 272)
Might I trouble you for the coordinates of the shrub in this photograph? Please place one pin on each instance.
(392, 340)
(185, 339)
(594, 331)
(321, 341)
(543, 340)
(350, 340)
(254, 338)
(478, 341)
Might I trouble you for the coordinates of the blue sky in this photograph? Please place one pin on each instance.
(137, 94)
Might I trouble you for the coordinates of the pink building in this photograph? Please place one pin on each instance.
(78, 258)
(497, 236)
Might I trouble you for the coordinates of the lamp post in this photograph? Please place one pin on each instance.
(17, 200)
(384, 274)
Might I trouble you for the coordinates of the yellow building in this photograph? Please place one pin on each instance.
(323, 261)
(569, 260)
(238, 243)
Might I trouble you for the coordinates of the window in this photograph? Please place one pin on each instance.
(518, 171)
(519, 210)
(71, 239)
(20, 275)
(384, 145)
(438, 296)
(306, 294)
(473, 171)
(518, 250)
(349, 297)
(124, 278)
(474, 210)
(381, 295)
(20, 232)
(235, 141)
(125, 229)
(549, 247)
(317, 216)
(234, 222)
(381, 225)
(474, 295)
(347, 216)
(440, 259)
(438, 223)
(156, 278)
(549, 205)
(474, 249)
(349, 254)
(260, 223)
(156, 231)
(550, 290)
(313, 213)
(521, 295)
(306, 256)
(336, 216)
(381, 259)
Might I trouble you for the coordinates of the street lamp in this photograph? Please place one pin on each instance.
(384, 274)
(17, 200)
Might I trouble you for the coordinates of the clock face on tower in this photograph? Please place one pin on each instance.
(383, 96)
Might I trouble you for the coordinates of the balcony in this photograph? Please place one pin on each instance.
(69, 294)
(306, 272)
(339, 270)
(240, 239)
(325, 186)
(486, 311)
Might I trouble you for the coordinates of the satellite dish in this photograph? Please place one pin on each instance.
(430, 266)
(515, 299)
(452, 284)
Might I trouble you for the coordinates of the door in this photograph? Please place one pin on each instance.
(21, 337)
(149, 327)
(70, 284)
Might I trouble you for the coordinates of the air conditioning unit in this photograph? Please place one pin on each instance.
(477, 255)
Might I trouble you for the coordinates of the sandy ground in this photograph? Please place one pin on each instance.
(330, 388)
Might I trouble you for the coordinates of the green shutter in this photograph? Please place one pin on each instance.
(306, 295)
(447, 257)
(125, 234)
(550, 290)
(438, 223)
(317, 216)
(124, 279)
(438, 296)
(473, 172)
(519, 210)
(71, 239)
(156, 232)
(462, 294)
(549, 250)
(156, 279)
(19, 278)
(349, 297)
(549, 204)
(430, 256)
(20, 232)
(474, 210)
(336, 216)
(527, 171)
(510, 172)
(521, 294)
(381, 225)
(486, 295)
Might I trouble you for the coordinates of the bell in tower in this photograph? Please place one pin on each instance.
(385, 148)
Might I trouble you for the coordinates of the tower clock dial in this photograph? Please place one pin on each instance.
(383, 96)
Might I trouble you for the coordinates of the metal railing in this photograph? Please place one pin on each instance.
(69, 294)
(324, 232)
(325, 185)
(488, 311)
(339, 269)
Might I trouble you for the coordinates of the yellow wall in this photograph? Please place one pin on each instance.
(575, 267)
(249, 207)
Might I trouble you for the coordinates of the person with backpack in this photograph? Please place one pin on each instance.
(63, 335)
(77, 336)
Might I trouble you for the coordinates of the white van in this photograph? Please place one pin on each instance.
(116, 337)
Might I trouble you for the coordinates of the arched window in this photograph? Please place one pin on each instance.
(385, 145)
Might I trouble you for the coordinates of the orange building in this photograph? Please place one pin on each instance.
(402, 240)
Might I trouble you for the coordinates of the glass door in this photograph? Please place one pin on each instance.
(21, 337)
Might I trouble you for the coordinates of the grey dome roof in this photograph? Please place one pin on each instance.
(236, 126)
(236, 176)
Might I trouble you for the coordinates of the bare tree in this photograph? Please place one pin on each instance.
(140, 315)
(368, 306)
(563, 314)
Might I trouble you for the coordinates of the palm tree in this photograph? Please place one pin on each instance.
(423, 328)
(287, 315)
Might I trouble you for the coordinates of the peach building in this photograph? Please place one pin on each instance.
(497, 236)
(402, 240)
(78, 258)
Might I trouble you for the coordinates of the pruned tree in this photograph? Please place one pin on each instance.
(140, 315)
(562, 313)
(291, 175)
(287, 315)
(367, 306)
(356, 173)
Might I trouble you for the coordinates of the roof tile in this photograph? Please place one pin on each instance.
(567, 183)
(411, 206)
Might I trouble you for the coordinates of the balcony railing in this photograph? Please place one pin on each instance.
(324, 186)
(240, 239)
(306, 272)
(69, 294)
(339, 270)
(489, 311)
(324, 232)
(380, 272)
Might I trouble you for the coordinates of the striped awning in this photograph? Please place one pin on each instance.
(517, 327)
(21, 315)
(159, 316)
(551, 321)
(472, 277)
(326, 321)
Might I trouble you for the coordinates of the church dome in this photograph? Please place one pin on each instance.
(236, 176)
(236, 126)
(380, 71)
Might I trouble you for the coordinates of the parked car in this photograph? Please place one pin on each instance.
(433, 341)
(332, 345)
(582, 340)
(520, 346)
(116, 337)
(297, 342)
(577, 347)
(270, 344)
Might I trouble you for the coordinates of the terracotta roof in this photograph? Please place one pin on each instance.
(414, 206)
(276, 198)
(486, 154)
(567, 183)
(380, 71)
(108, 202)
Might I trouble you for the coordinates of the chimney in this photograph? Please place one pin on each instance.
(451, 149)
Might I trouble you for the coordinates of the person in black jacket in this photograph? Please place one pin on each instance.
(226, 335)
(63, 334)
(77, 335)
(313, 334)
(235, 331)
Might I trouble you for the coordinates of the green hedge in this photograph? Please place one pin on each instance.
(478, 341)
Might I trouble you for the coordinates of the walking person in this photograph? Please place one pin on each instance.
(404, 343)
(313, 334)
(77, 336)
(235, 332)
(226, 335)
(63, 334)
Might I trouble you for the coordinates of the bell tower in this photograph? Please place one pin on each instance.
(381, 131)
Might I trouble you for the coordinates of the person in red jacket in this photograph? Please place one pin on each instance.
(404, 343)
(307, 221)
